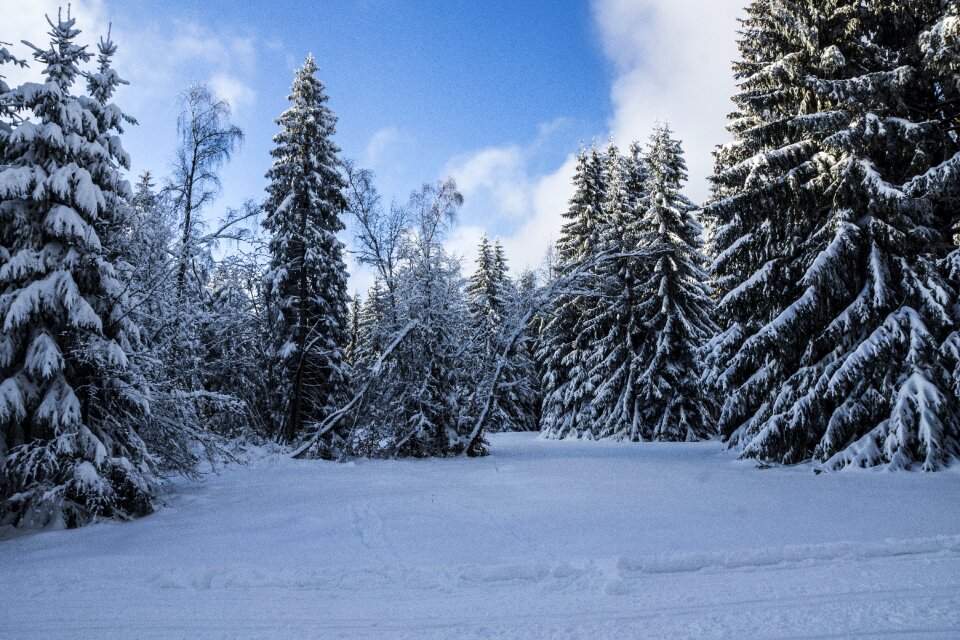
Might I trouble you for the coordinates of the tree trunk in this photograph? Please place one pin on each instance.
(187, 215)
(295, 423)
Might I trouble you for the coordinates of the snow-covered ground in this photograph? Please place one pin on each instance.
(540, 540)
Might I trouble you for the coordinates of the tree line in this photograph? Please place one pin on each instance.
(808, 311)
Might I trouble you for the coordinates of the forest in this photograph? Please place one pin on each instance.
(724, 408)
(806, 313)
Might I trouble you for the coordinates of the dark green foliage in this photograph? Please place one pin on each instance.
(308, 275)
(829, 233)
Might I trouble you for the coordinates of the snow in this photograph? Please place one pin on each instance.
(542, 539)
(760, 277)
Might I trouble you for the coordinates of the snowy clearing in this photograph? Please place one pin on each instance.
(542, 539)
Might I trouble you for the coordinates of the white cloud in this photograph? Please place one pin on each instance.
(193, 41)
(671, 63)
(507, 198)
(188, 51)
(192, 52)
(503, 199)
(497, 171)
(463, 242)
(22, 22)
(233, 90)
(555, 125)
(528, 243)
(380, 144)
(672, 60)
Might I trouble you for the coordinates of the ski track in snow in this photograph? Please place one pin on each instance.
(540, 540)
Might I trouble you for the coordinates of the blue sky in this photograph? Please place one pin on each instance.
(498, 94)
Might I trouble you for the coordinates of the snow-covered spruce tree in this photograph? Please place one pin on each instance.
(674, 303)
(758, 227)
(520, 380)
(491, 298)
(487, 304)
(375, 326)
(612, 317)
(238, 372)
(834, 324)
(940, 46)
(150, 236)
(173, 428)
(563, 344)
(528, 296)
(750, 240)
(149, 250)
(486, 300)
(307, 274)
(71, 398)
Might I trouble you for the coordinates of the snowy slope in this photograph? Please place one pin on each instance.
(542, 539)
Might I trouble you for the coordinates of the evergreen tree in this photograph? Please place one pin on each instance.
(501, 269)
(828, 239)
(940, 47)
(491, 299)
(753, 175)
(614, 319)
(520, 380)
(528, 298)
(563, 345)
(308, 275)
(238, 354)
(486, 300)
(71, 397)
(374, 325)
(147, 247)
(674, 303)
